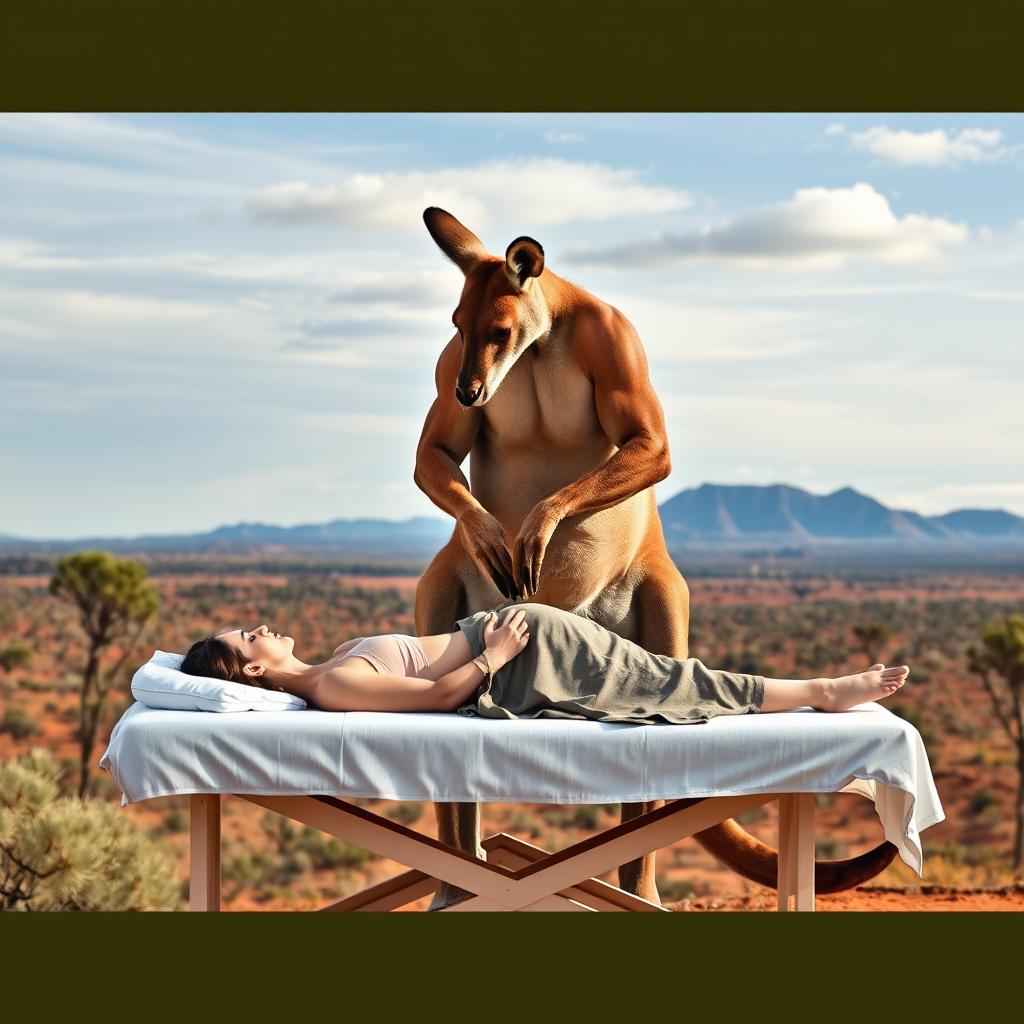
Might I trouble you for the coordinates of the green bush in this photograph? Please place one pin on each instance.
(981, 799)
(327, 852)
(65, 853)
(586, 816)
(176, 820)
(672, 890)
(830, 848)
(15, 655)
(408, 812)
(19, 724)
(962, 854)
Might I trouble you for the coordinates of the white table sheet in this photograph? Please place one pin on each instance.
(448, 757)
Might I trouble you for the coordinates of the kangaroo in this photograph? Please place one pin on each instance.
(546, 388)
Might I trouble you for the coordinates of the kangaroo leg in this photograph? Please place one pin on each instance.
(440, 601)
(662, 603)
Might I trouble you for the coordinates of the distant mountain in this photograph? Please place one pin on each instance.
(781, 514)
(381, 538)
(709, 516)
(982, 522)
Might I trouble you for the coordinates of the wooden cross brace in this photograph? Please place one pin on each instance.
(516, 875)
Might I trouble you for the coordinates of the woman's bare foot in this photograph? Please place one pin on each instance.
(844, 692)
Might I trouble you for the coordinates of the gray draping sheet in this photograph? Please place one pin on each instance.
(448, 757)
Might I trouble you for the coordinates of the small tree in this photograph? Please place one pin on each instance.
(872, 637)
(115, 602)
(64, 853)
(1002, 655)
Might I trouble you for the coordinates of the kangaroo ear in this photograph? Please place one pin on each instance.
(524, 259)
(455, 240)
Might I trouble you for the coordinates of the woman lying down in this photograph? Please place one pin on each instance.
(537, 661)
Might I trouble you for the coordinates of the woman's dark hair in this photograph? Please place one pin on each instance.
(213, 658)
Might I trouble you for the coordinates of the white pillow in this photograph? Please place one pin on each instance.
(159, 684)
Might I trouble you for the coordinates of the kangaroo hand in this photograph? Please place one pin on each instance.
(531, 544)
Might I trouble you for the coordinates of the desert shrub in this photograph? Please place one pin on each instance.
(673, 889)
(586, 816)
(407, 812)
(176, 820)
(37, 685)
(980, 800)
(19, 723)
(328, 852)
(525, 821)
(830, 848)
(66, 853)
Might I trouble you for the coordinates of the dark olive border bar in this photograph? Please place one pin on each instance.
(475, 55)
(537, 967)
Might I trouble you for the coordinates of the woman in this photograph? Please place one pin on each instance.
(575, 668)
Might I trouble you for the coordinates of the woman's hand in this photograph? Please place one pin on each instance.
(503, 642)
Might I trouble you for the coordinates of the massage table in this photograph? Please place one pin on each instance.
(304, 764)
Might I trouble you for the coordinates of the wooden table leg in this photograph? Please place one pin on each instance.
(204, 852)
(796, 852)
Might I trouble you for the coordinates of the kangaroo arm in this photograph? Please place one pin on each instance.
(640, 463)
(447, 437)
(438, 475)
(630, 414)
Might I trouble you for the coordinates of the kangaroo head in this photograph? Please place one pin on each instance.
(502, 309)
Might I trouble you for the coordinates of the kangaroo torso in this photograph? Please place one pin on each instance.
(539, 433)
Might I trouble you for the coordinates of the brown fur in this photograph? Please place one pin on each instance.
(566, 439)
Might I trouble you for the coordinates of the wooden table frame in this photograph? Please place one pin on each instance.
(516, 875)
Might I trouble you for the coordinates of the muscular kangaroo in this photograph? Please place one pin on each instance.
(546, 389)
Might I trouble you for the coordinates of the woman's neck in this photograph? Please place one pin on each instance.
(296, 677)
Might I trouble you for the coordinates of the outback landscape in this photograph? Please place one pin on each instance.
(757, 617)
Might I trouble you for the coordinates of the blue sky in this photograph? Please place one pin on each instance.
(213, 318)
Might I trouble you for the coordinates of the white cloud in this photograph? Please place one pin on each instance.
(21, 328)
(95, 135)
(539, 190)
(818, 227)
(934, 148)
(835, 129)
(943, 498)
(674, 332)
(112, 307)
(556, 137)
(346, 274)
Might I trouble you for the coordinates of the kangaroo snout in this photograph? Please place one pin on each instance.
(468, 395)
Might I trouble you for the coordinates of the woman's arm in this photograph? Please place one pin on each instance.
(355, 689)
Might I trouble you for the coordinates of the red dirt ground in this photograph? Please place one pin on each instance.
(885, 898)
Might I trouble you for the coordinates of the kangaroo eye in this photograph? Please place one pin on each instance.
(501, 333)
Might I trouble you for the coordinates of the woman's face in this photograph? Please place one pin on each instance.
(260, 646)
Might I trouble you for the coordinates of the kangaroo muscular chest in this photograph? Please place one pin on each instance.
(544, 404)
(540, 432)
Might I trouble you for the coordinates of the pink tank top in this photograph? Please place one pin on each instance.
(393, 653)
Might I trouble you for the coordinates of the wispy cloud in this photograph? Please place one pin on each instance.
(817, 228)
(543, 191)
(556, 137)
(935, 148)
(949, 497)
(130, 308)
